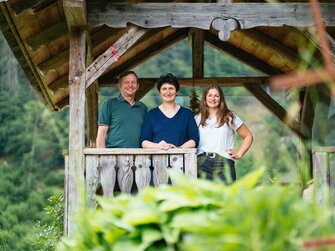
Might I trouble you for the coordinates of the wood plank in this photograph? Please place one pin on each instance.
(108, 175)
(151, 47)
(57, 31)
(160, 164)
(93, 177)
(77, 120)
(135, 151)
(75, 12)
(241, 55)
(200, 15)
(190, 162)
(112, 54)
(320, 176)
(125, 175)
(276, 109)
(142, 173)
(332, 178)
(148, 83)
(176, 164)
(203, 82)
(281, 52)
(198, 53)
(66, 193)
(307, 114)
(11, 33)
(31, 6)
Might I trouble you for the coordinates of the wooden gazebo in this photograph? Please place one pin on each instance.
(70, 48)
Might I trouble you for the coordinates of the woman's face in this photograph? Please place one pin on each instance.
(168, 92)
(213, 98)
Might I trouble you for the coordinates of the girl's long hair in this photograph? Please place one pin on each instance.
(224, 115)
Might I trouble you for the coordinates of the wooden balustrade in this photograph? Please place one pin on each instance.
(324, 175)
(131, 169)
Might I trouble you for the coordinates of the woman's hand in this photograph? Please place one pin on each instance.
(165, 146)
(233, 155)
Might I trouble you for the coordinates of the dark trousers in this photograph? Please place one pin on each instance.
(211, 167)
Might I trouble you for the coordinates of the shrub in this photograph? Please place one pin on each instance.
(201, 215)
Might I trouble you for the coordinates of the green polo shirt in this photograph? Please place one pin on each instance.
(124, 121)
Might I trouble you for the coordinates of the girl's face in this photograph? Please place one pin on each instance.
(168, 92)
(213, 98)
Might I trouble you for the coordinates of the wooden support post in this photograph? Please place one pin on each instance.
(198, 53)
(323, 172)
(92, 98)
(77, 123)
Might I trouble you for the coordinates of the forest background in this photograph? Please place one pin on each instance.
(33, 139)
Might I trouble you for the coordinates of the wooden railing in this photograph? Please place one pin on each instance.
(324, 175)
(131, 169)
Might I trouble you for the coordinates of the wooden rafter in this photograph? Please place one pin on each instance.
(31, 6)
(153, 44)
(200, 15)
(241, 55)
(286, 54)
(47, 36)
(276, 109)
(112, 54)
(21, 53)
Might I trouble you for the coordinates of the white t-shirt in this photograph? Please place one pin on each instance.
(217, 139)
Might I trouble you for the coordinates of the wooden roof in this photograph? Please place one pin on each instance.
(260, 36)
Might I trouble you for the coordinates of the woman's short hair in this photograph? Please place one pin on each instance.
(168, 79)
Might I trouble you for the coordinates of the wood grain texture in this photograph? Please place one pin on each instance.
(125, 175)
(111, 55)
(77, 120)
(142, 173)
(200, 15)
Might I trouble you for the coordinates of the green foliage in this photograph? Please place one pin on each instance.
(202, 215)
(49, 233)
(31, 143)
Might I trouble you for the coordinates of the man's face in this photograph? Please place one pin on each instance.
(128, 86)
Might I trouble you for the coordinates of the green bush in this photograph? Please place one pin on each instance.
(201, 215)
(49, 233)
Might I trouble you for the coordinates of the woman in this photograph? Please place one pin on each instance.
(169, 125)
(217, 128)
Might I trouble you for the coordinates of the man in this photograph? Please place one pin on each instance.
(121, 118)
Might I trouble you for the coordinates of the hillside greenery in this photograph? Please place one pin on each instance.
(32, 139)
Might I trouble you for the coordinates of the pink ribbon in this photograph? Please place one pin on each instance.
(114, 53)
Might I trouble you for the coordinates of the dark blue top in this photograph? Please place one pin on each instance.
(176, 130)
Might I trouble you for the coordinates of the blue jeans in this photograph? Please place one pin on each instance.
(211, 165)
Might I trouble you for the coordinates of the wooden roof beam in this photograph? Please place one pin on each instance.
(60, 62)
(203, 82)
(31, 6)
(201, 15)
(275, 108)
(112, 54)
(153, 45)
(291, 57)
(241, 55)
(47, 36)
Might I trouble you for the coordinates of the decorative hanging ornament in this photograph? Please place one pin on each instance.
(194, 101)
